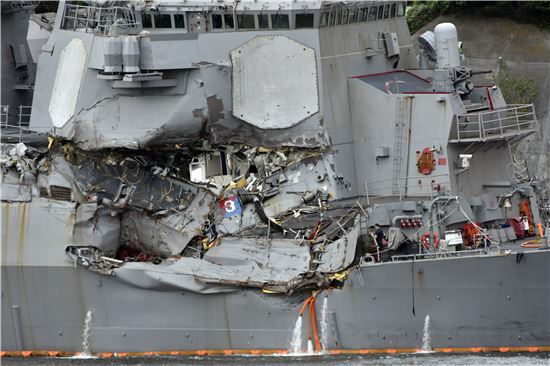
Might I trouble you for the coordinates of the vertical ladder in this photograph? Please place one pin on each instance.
(398, 146)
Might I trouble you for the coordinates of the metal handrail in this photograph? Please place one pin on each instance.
(499, 122)
(96, 19)
(4, 114)
(440, 255)
(21, 128)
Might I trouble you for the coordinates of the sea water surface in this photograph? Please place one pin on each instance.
(428, 359)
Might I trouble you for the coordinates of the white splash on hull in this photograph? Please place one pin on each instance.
(86, 351)
(296, 341)
(324, 325)
(426, 338)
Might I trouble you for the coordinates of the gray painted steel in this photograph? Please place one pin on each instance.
(472, 302)
(354, 136)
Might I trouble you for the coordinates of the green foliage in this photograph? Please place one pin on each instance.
(534, 12)
(516, 89)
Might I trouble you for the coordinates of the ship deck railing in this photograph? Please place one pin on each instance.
(98, 20)
(440, 255)
(20, 130)
(510, 122)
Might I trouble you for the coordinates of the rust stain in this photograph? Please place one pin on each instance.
(421, 279)
(21, 214)
(6, 225)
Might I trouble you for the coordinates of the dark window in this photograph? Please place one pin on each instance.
(146, 21)
(324, 20)
(304, 20)
(345, 15)
(217, 21)
(332, 18)
(400, 9)
(352, 13)
(179, 20)
(279, 21)
(392, 11)
(263, 21)
(163, 21)
(380, 12)
(245, 21)
(358, 15)
(386, 11)
(338, 17)
(372, 13)
(228, 20)
(364, 14)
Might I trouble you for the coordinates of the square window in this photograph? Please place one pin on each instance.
(229, 21)
(351, 16)
(304, 20)
(364, 14)
(146, 21)
(400, 9)
(372, 13)
(345, 15)
(245, 21)
(279, 21)
(217, 22)
(163, 21)
(324, 20)
(380, 14)
(263, 21)
(179, 20)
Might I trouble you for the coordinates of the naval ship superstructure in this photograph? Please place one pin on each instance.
(204, 175)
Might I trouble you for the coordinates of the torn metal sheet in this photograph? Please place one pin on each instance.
(166, 235)
(234, 261)
(340, 254)
(96, 226)
(15, 192)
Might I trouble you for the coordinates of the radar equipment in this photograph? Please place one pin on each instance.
(427, 49)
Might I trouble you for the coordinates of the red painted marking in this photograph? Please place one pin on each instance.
(490, 99)
(425, 92)
(388, 73)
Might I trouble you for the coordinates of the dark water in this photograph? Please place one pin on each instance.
(432, 359)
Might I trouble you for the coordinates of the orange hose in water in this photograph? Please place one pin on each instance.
(306, 303)
(314, 323)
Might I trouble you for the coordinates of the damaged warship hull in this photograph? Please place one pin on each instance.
(228, 176)
(383, 309)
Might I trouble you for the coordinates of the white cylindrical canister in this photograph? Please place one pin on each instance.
(130, 54)
(446, 46)
(113, 55)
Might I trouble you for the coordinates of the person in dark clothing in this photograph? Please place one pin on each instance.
(379, 234)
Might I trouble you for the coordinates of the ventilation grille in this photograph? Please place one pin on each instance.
(60, 193)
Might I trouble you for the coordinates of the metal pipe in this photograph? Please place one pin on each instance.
(15, 312)
(410, 98)
(434, 201)
(399, 217)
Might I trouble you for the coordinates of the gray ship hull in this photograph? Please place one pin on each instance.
(490, 301)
